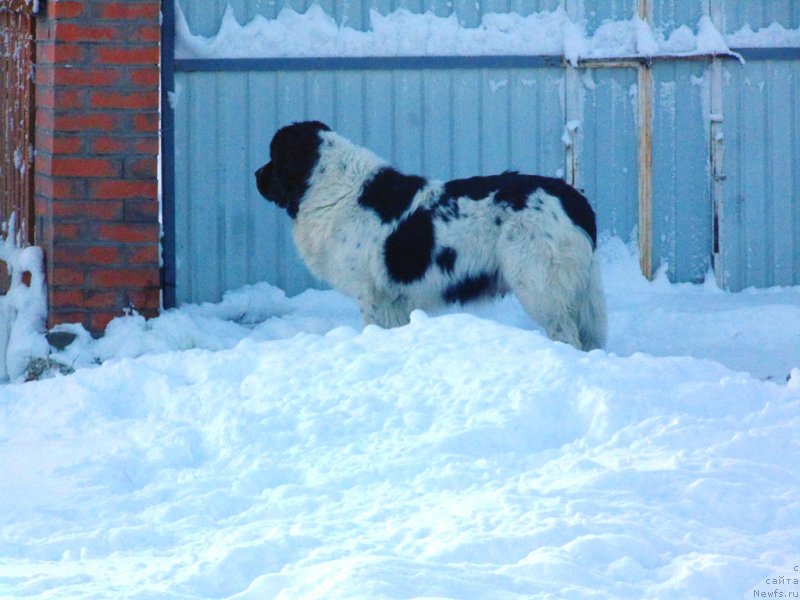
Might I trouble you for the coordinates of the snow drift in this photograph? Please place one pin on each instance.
(271, 447)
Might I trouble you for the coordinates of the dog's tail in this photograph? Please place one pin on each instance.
(591, 310)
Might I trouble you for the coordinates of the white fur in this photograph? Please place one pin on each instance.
(545, 259)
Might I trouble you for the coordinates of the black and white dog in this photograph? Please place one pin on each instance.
(399, 242)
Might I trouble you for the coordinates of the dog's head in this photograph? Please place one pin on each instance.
(294, 152)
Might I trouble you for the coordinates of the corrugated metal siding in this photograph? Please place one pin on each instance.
(607, 171)
(668, 15)
(682, 206)
(761, 212)
(457, 122)
(597, 11)
(227, 235)
(758, 14)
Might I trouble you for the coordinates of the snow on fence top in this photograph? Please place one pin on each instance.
(403, 33)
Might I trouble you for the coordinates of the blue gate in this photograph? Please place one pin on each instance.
(680, 123)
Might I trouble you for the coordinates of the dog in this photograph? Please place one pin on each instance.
(398, 242)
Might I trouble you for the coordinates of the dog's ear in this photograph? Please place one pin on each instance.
(294, 152)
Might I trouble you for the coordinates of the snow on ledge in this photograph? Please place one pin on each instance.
(403, 33)
(772, 36)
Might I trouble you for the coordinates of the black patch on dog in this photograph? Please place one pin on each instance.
(470, 288)
(294, 152)
(474, 188)
(575, 205)
(390, 193)
(408, 251)
(512, 190)
(509, 189)
(446, 259)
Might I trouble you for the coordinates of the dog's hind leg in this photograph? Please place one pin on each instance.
(379, 309)
(554, 315)
(549, 270)
(592, 319)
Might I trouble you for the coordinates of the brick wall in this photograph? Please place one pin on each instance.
(96, 185)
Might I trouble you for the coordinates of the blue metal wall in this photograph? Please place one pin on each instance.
(761, 214)
(461, 116)
(682, 204)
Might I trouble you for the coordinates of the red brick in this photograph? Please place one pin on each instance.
(45, 96)
(80, 76)
(147, 145)
(81, 298)
(66, 232)
(143, 145)
(86, 255)
(45, 75)
(97, 121)
(101, 300)
(114, 55)
(109, 145)
(142, 168)
(63, 276)
(145, 77)
(69, 99)
(146, 122)
(145, 301)
(135, 146)
(66, 145)
(45, 30)
(147, 33)
(129, 233)
(84, 167)
(141, 211)
(98, 321)
(124, 10)
(66, 298)
(64, 9)
(123, 188)
(142, 255)
(57, 317)
(74, 32)
(87, 210)
(139, 100)
(99, 230)
(45, 117)
(124, 278)
(54, 52)
(57, 188)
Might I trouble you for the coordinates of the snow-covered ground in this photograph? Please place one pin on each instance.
(272, 447)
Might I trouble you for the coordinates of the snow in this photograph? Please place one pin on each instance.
(404, 33)
(19, 163)
(23, 309)
(774, 35)
(273, 447)
(315, 33)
